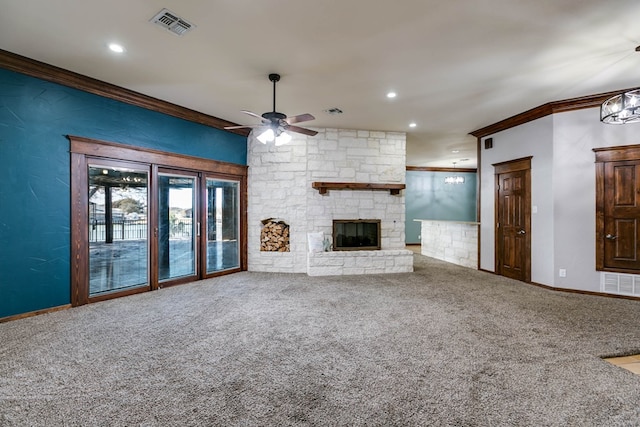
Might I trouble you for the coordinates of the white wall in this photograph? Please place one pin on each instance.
(563, 189)
(531, 139)
(576, 133)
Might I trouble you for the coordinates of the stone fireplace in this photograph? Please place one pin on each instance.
(336, 175)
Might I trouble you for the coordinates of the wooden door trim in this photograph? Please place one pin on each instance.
(79, 233)
(521, 164)
(618, 153)
(113, 150)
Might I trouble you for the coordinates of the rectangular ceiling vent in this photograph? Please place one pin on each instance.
(172, 22)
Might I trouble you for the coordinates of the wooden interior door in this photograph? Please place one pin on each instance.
(618, 208)
(513, 219)
(621, 233)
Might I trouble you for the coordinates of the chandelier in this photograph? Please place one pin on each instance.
(454, 179)
(621, 108)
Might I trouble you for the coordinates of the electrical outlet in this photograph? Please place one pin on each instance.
(562, 272)
(419, 237)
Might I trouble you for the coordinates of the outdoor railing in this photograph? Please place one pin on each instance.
(135, 229)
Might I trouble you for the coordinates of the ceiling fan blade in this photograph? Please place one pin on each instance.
(254, 115)
(242, 127)
(304, 131)
(299, 118)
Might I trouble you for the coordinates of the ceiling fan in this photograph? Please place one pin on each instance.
(277, 124)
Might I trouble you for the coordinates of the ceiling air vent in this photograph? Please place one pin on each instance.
(172, 22)
(333, 111)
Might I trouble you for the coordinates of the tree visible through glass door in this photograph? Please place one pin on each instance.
(223, 225)
(118, 237)
(177, 226)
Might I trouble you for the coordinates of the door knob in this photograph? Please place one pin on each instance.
(522, 232)
(611, 237)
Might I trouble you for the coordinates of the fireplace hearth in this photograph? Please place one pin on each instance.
(356, 234)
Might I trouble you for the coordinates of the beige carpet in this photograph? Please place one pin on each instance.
(442, 346)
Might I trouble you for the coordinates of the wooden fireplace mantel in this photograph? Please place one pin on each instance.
(323, 187)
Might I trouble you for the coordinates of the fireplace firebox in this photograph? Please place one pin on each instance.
(356, 234)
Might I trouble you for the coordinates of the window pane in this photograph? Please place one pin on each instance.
(222, 225)
(118, 255)
(176, 226)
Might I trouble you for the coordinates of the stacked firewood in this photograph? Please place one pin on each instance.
(274, 236)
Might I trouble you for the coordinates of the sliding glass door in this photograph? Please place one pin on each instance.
(143, 219)
(223, 225)
(177, 225)
(117, 221)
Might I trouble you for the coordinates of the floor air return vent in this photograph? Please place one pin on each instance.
(621, 284)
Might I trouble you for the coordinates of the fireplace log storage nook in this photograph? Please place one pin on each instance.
(356, 234)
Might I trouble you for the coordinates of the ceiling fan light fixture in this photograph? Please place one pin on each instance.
(266, 136)
(282, 139)
(621, 108)
(274, 124)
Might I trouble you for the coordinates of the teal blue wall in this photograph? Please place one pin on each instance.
(35, 201)
(428, 197)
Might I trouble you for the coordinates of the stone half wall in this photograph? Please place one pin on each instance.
(279, 186)
(451, 241)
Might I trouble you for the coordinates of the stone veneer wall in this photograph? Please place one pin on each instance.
(279, 186)
(452, 241)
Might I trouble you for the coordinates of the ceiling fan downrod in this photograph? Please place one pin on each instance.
(274, 115)
(275, 78)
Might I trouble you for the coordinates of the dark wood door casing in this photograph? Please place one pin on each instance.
(618, 209)
(513, 219)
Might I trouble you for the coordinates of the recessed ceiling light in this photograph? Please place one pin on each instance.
(391, 95)
(412, 125)
(115, 47)
(455, 151)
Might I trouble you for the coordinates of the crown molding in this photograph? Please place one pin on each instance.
(590, 101)
(434, 169)
(50, 73)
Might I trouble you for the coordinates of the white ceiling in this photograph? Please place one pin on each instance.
(456, 65)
